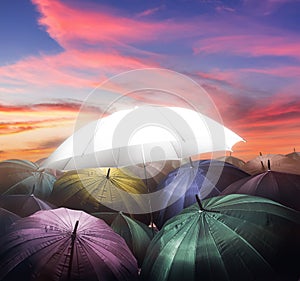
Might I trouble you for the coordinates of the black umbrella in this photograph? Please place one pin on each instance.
(25, 177)
(6, 219)
(281, 187)
(24, 205)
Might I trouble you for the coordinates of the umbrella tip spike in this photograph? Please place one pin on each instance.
(294, 149)
(199, 203)
(75, 229)
(269, 165)
(108, 172)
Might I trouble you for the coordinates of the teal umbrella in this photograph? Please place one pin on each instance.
(136, 234)
(233, 237)
(25, 177)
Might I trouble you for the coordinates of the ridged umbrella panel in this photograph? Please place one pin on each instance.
(232, 238)
(136, 234)
(25, 177)
(65, 244)
(280, 187)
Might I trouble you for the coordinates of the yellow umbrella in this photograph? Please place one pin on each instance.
(99, 189)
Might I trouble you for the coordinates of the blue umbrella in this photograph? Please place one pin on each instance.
(207, 178)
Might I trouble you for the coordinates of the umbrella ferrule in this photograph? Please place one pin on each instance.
(108, 172)
(199, 203)
(75, 230)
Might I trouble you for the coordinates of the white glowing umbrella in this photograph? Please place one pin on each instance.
(141, 135)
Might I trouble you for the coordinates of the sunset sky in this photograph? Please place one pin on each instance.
(244, 53)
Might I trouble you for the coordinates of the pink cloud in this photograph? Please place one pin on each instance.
(250, 45)
(67, 24)
(73, 68)
(151, 11)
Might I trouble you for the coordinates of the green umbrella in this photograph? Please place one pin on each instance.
(25, 177)
(97, 190)
(136, 234)
(233, 237)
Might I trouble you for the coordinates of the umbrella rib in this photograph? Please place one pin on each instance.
(245, 241)
(216, 245)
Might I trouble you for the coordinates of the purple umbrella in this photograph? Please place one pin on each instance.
(205, 177)
(23, 205)
(281, 187)
(64, 244)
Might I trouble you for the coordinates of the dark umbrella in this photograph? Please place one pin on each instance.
(25, 177)
(6, 219)
(23, 205)
(233, 160)
(136, 234)
(281, 187)
(63, 244)
(227, 238)
(279, 163)
(205, 177)
(294, 155)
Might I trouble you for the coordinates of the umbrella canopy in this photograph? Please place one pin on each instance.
(204, 177)
(232, 160)
(234, 237)
(64, 244)
(136, 234)
(294, 155)
(23, 205)
(153, 173)
(281, 187)
(6, 219)
(140, 135)
(279, 163)
(98, 189)
(25, 177)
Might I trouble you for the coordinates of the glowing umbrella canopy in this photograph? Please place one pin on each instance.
(136, 234)
(230, 238)
(65, 244)
(140, 135)
(25, 177)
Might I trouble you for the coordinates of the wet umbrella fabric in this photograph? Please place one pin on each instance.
(280, 187)
(24, 205)
(25, 177)
(136, 234)
(229, 238)
(6, 219)
(174, 133)
(98, 189)
(197, 177)
(64, 244)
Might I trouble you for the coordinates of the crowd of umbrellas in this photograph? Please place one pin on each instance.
(230, 219)
(246, 226)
